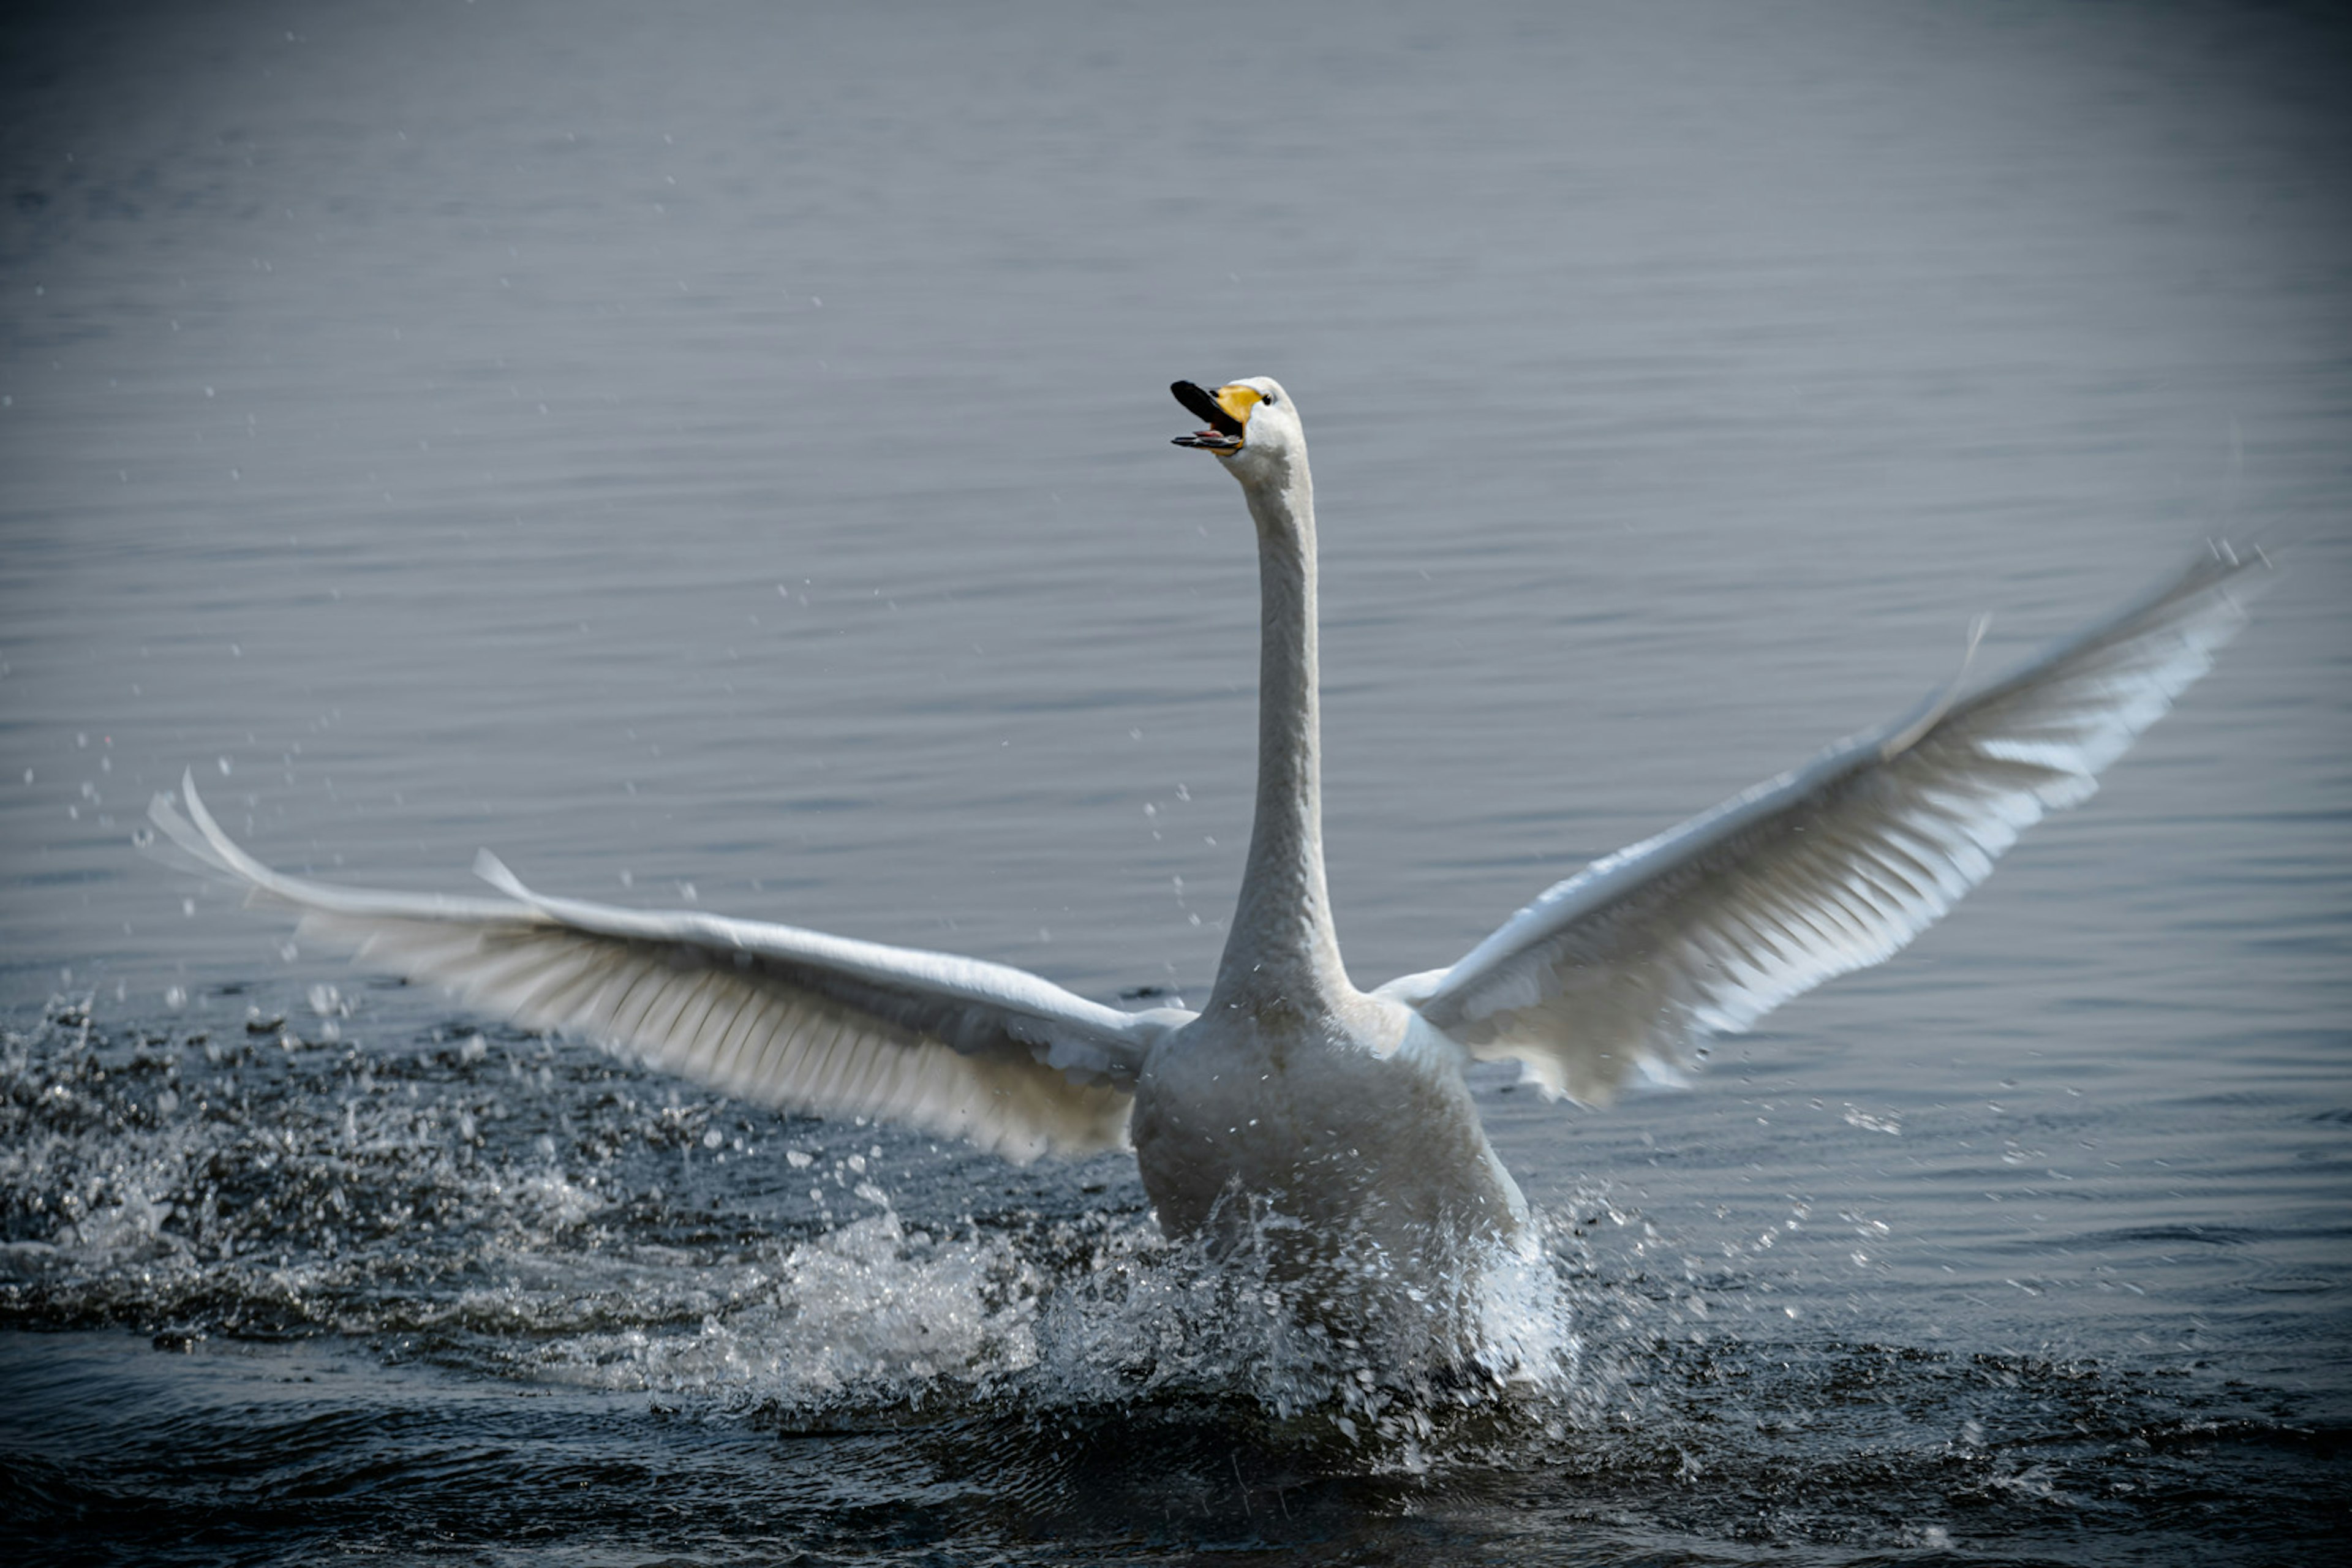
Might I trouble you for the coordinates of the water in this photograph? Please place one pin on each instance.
(723, 460)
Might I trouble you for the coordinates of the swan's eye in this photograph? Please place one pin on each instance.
(1272, 398)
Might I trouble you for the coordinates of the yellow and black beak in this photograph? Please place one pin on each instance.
(1227, 410)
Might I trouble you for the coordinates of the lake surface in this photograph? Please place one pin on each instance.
(722, 460)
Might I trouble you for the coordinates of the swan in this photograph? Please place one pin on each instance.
(1340, 1117)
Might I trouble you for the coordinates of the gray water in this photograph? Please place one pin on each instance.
(722, 458)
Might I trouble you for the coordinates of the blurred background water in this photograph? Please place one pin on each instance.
(720, 456)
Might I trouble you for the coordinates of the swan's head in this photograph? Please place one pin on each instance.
(1250, 424)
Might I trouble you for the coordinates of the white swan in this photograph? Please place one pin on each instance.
(1342, 1112)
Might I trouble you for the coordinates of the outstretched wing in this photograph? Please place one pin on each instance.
(790, 1018)
(1831, 868)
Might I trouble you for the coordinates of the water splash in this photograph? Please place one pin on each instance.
(461, 1210)
(512, 1206)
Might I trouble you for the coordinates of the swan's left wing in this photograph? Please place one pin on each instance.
(795, 1019)
(1632, 963)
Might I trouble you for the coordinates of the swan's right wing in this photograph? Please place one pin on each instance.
(1630, 964)
(790, 1018)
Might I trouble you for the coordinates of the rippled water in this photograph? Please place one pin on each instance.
(722, 460)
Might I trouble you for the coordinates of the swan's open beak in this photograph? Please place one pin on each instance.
(1227, 411)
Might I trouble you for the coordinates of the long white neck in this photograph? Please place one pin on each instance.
(1281, 949)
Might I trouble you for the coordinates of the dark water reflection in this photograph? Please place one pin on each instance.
(722, 458)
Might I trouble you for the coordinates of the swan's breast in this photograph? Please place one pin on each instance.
(1357, 1119)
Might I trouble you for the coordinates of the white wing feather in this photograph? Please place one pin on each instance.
(790, 1018)
(1630, 964)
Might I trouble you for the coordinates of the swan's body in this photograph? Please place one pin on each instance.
(1345, 1112)
(1341, 1114)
